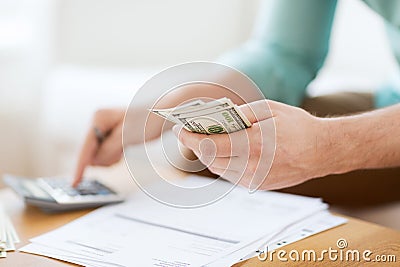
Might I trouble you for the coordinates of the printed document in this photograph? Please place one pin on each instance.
(144, 232)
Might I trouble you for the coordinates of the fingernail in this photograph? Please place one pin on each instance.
(254, 185)
(176, 129)
(252, 189)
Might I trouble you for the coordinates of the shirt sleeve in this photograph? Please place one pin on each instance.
(288, 46)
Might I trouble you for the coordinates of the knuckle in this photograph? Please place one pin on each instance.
(251, 168)
(100, 113)
(256, 130)
(255, 149)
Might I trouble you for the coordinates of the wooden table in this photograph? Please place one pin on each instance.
(361, 235)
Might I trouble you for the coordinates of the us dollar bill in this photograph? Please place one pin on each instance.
(214, 117)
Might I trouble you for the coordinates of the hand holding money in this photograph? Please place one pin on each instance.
(215, 117)
(284, 147)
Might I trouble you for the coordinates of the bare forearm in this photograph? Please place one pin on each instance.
(365, 141)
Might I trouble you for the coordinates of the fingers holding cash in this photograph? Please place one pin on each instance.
(215, 117)
(244, 153)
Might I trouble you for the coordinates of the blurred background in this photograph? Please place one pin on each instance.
(60, 60)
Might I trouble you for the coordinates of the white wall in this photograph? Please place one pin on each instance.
(150, 32)
(24, 58)
(140, 33)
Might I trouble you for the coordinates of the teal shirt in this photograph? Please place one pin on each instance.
(290, 44)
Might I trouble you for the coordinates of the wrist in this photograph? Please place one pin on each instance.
(339, 146)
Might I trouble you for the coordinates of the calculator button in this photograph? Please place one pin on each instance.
(71, 192)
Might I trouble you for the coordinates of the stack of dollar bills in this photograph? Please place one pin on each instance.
(214, 117)
(8, 235)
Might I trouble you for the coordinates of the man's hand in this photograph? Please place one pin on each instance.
(284, 147)
(109, 122)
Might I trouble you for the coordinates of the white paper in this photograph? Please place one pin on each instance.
(8, 235)
(144, 232)
(317, 223)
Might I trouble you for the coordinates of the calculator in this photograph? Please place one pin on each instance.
(57, 194)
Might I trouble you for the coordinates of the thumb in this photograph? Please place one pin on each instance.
(257, 111)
